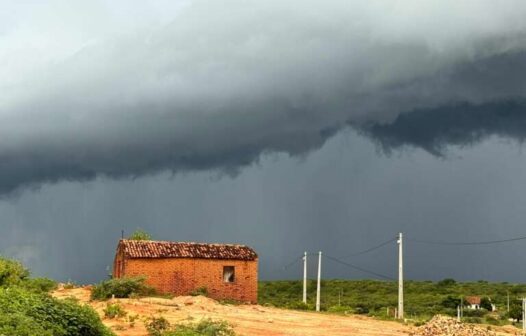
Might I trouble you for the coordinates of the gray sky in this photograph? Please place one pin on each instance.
(287, 126)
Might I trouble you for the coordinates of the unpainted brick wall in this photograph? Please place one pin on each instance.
(181, 276)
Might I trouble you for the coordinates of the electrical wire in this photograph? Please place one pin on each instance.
(376, 247)
(488, 242)
(291, 263)
(386, 277)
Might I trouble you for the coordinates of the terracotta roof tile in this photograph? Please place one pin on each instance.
(473, 300)
(164, 249)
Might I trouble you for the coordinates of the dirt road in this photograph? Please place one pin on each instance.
(248, 320)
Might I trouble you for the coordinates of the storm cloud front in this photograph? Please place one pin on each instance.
(289, 126)
(212, 86)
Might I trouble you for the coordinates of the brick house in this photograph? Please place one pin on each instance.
(227, 271)
(473, 302)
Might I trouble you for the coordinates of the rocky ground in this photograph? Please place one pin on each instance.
(447, 326)
(255, 320)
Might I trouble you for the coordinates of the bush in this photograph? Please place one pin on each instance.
(475, 312)
(485, 303)
(341, 309)
(121, 288)
(156, 326)
(39, 285)
(200, 291)
(206, 327)
(140, 234)
(20, 325)
(114, 310)
(477, 320)
(12, 272)
(159, 326)
(492, 320)
(25, 313)
(361, 309)
(300, 305)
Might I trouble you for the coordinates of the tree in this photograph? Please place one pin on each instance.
(140, 234)
(485, 303)
(451, 302)
(446, 282)
(515, 312)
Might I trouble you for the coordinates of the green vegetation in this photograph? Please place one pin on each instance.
(121, 288)
(161, 327)
(140, 234)
(114, 310)
(423, 299)
(200, 291)
(12, 273)
(26, 309)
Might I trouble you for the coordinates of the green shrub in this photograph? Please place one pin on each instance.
(492, 320)
(39, 285)
(159, 326)
(477, 320)
(485, 303)
(20, 325)
(300, 305)
(140, 234)
(206, 327)
(25, 313)
(340, 309)
(361, 309)
(200, 291)
(121, 288)
(12, 272)
(475, 312)
(114, 310)
(156, 326)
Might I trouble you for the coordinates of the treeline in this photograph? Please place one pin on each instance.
(423, 299)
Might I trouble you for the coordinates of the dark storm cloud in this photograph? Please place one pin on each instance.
(459, 124)
(223, 83)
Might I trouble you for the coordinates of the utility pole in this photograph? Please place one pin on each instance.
(305, 277)
(458, 313)
(318, 288)
(400, 277)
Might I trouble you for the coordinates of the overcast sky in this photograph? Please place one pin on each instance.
(288, 126)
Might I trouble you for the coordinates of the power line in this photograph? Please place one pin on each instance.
(291, 263)
(369, 249)
(386, 277)
(488, 242)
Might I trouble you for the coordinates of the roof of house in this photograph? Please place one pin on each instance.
(165, 249)
(473, 300)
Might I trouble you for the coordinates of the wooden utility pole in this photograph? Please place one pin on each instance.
(400, 277)
(318, 288)
(305, 278)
